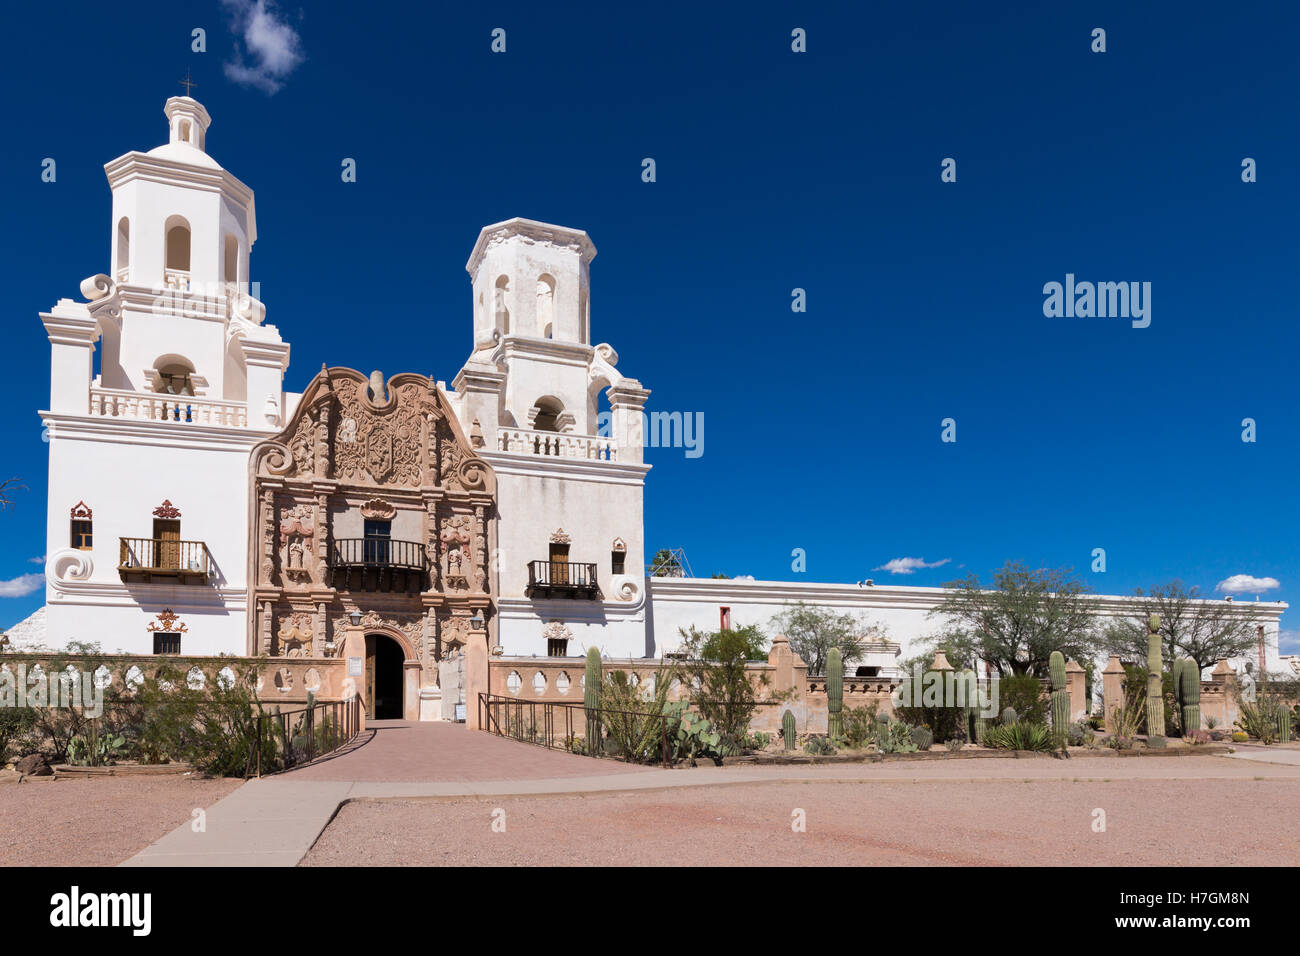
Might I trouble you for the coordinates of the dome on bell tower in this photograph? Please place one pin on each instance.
(189, 123)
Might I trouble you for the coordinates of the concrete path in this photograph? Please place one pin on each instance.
(1280, 754)
(275, 821)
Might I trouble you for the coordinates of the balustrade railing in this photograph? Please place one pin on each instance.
(527, 441)
(165, 556)
(161, 407)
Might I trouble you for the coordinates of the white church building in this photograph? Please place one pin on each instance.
(196, 507)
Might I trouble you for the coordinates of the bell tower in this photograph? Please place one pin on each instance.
(560, 425)
(161, 383)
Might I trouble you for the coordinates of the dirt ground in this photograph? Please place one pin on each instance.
(1203, 822)
(97, 821)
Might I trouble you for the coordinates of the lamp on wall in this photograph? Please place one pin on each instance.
(476, 622)
(355, 618)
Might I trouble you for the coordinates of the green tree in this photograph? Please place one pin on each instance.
(665, 565)
(1207, 631)
(1016, 624)
(813, 630)
(723, 689)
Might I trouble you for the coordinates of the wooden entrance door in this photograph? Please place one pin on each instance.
(167, 535)
(559, 564)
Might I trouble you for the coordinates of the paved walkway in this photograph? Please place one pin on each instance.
(432, 751)
(275, 821)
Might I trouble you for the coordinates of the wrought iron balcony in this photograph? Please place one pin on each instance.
(562, 579)
(387, 558)
(146, 558)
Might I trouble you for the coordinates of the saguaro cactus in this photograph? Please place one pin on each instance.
(1060, 700)
(591, 696)
(1155, 690)
(1189, 695)
(1283, 723)
(787, 730)
(834, 693)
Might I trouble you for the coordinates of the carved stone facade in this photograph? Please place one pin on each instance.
(356, 454)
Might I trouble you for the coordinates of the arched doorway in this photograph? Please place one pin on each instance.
(385, 660)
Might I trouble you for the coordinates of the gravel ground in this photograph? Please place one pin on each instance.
(1201, 821)
(98, 821)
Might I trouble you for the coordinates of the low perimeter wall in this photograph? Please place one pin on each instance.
(281, 680)
(782, 679)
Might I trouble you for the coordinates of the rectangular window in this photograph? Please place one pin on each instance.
(557, 647)
(724, 618)
(166, 643)
(377, 544)
(82, 536)
(616, 560)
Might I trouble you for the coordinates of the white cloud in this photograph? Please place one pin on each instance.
(908, 565)
(1246, 584)
(22, 585)
(38, 560)
(267, 49)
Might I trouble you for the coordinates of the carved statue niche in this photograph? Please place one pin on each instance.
(295, 635)
(453, 634)
(297, 531)
(457, 532)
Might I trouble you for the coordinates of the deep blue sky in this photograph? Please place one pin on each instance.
(775, 171)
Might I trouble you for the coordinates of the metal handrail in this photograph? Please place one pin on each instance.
(321, 729)
(504, 717)
(375, 552)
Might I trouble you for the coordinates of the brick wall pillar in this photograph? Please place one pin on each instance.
(1112, 690)
(1076, 682)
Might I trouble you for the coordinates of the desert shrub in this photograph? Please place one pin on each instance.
(1118, 742)
(212, 728)
(819, 746)
(1024, 693)
(1197, 737)
(1021, 735)
(15, 725)
(756, 740)
(638, 719)
(726, 693)
(1079, 734)
(954, 744)
(1259, 720)
(1240, 737)
(858, 725)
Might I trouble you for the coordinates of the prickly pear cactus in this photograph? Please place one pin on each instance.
(1155, 692)
(834, 694)
(787, 730)
(1060, 701)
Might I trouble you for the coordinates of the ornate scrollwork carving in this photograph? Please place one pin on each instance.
(97, 287)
